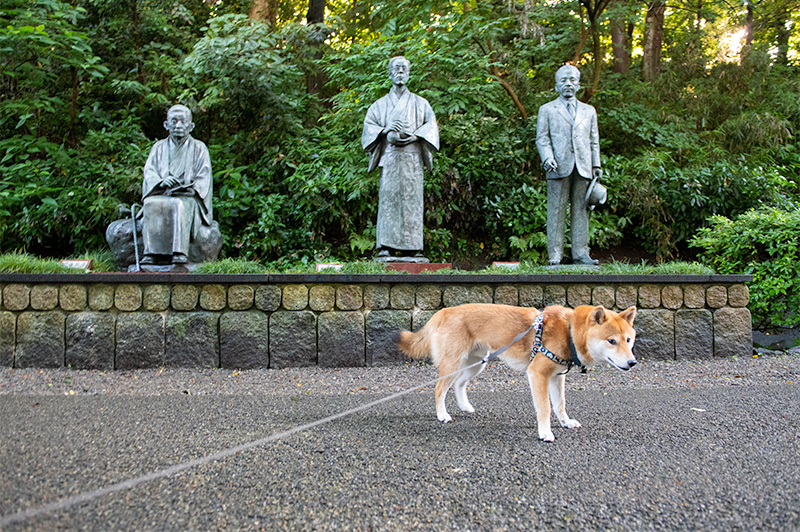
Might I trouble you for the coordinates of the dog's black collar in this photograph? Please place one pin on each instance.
(538, 347)
(573, 353)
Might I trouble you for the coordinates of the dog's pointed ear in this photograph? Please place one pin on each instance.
(628, 315)
(598, 315)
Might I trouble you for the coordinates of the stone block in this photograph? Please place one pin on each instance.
(376, 297)
(90, 340)
(382, 328)
(402, 296)
(213, 297)
(420, 318)
(140, 340)
(672, 296)
(44, 297)
(342, 341)
(506, 295)
(156, 297)
(8, 333)
(554, 294)
(604, 296)
(128, 297)
(292, 339)
(40, 340)
(240, 297)
(455, 295)
(481, 294)
(579, 294)
(244, 339)
(322, 298)
(101, 296)
(717, 296)
(733, 332)
(72, 297)
(267, 298)
(627, 296)
(531, 295)
(192, 340)
(429, 297)
(738, 295)
(460, 295)
(655, 334)
(349, 297)
(649, 296)
(694, 337)
(694, 296)
(295, 297)
(16, 296)
(184, 297)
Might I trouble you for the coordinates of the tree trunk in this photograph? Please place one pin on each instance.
(73, 105)
(316, 12)
(782, 34)
(264, 11)
(598, 63)
(137, 42)
(748, 27)
(653, 39)
(619, 46)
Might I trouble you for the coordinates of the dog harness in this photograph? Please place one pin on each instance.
(538, 326)
(538, 347)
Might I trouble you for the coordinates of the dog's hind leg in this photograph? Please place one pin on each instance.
(441, 393)
(464, 378)
(557, 397)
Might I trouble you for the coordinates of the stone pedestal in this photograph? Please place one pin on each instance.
(417, 267)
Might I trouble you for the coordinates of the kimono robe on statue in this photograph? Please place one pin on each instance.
(400, 197)
(173, 216)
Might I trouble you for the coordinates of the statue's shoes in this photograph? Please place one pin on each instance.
(588, 261)
(147, 259)
(179, 258)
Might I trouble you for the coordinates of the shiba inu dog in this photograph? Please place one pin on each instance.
(459, 338)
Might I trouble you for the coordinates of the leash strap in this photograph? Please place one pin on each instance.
(520, 336)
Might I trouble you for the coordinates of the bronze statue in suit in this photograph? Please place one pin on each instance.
(569, 145)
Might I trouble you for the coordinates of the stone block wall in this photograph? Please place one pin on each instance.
(129, 321)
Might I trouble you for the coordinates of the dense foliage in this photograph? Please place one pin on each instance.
(766, 244)
(84, 87)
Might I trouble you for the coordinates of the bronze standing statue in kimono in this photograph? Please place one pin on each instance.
(401, 134)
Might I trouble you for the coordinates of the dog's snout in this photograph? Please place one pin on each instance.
(631, 363)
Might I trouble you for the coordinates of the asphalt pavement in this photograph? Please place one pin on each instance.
(713, 458)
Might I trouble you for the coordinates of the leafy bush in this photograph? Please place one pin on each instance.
(765, 243)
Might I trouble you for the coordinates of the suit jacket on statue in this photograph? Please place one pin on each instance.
(573, 144)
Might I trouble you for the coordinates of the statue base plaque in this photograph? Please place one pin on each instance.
(417, 267)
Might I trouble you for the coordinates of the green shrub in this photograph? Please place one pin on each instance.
(766, 244)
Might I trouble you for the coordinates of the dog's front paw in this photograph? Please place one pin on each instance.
(546, 435)
(570, 424)
(444, 418)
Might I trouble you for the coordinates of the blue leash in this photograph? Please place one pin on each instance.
(495, 354)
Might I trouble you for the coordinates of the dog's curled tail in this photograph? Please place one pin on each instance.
(416, 345)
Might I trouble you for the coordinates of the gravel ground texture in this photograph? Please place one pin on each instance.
(648, 374)
(687, 445)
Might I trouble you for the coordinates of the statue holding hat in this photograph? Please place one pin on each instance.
(569, 145)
